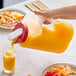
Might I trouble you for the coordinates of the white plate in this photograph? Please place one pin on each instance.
(55, 65)
(13, 10)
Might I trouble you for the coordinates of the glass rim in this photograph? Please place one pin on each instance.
(12, 50)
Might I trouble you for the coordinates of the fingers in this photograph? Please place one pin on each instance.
(46, 22)
(42, 14)
(39, 13)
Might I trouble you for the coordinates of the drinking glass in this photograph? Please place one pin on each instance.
(9, 61)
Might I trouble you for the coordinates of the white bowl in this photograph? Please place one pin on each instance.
(47, 69)
(11, 9)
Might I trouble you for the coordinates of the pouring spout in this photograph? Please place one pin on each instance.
(15, 34)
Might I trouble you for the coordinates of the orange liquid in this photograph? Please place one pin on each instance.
(55, 39)
(9, 60)
(12, 43)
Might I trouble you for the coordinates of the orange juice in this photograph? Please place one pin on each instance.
(55, 38)
(9, 61)
(12, 43)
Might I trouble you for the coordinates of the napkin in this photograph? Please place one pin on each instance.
(39, 3)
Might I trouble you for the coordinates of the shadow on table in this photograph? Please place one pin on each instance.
(4, 74)
(5, 30)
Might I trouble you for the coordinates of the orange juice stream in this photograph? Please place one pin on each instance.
(12, 43)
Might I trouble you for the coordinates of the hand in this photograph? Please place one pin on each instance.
(61, 13)
(46, 14)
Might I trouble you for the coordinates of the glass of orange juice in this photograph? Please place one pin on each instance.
(9, 61)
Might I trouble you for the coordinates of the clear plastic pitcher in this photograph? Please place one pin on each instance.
(34, 23)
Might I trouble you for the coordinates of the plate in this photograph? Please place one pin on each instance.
(13, 10)
(47, 69)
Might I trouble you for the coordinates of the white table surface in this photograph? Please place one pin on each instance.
(29, 61)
